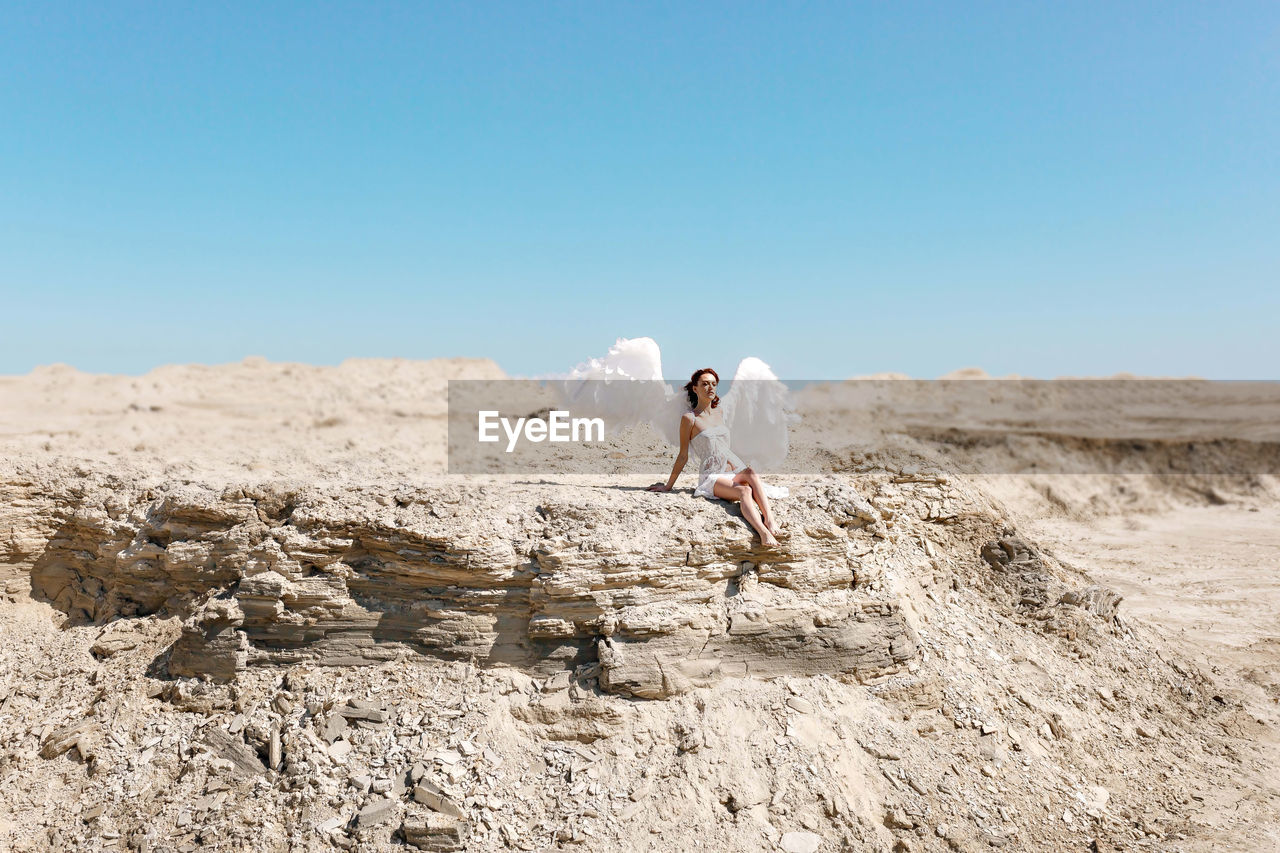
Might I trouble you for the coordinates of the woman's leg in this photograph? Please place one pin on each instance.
(743, 494)
(748, 476)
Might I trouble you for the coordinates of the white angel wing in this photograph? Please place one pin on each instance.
(758, 410)
(625, 388)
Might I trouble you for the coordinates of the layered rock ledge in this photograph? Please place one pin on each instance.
(660, 592)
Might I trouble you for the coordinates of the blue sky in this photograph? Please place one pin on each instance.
(837, 188)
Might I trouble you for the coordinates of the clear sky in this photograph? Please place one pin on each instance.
(837, 188)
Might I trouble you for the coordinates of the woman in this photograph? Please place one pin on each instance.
(722, 473)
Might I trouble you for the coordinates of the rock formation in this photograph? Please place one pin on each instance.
(662, 597)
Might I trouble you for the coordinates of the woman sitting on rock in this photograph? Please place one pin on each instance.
(722, 473)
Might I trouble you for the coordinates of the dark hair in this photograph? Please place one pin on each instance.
(693, 380)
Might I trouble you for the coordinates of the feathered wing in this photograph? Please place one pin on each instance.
(625, 388)
(759, 411)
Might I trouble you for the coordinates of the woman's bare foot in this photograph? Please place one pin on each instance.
(769, 541)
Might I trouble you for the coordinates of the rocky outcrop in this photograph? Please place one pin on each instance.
(1032, 587)
(662, 592)
(915, 684)
(25, 523)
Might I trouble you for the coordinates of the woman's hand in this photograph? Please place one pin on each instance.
(659, 487)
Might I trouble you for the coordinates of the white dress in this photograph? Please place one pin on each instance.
(711, 446)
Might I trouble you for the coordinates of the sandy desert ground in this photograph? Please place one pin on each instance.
(246, 607)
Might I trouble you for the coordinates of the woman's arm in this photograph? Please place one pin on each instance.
(686, 430)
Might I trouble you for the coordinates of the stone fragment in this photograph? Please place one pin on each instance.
(244, 758)
(353, 712)
(448, 756)
(379, 811)
(801, 842)
(884, 753)
(274, 749)
(991, 750)
(327, 826)
(114, 642)
(1100, 601)
(80, 735)
(557, 682)
(400, 782)
(435, 832)
(334, 725)
(434, 798)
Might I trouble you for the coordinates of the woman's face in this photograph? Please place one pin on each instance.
(705, 386)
